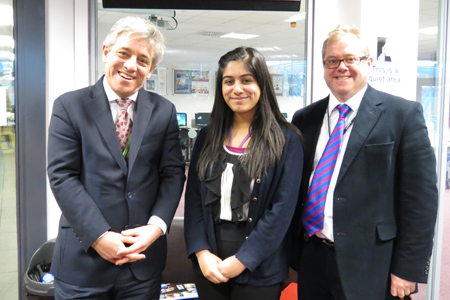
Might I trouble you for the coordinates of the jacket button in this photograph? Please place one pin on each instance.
(250, 220)
(258, 180)
(129, 195)
(254, 199)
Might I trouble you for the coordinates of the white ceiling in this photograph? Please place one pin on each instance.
(199, 32)
(197, 37)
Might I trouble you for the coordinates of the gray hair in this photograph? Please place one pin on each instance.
(339, 33)
(139, 28)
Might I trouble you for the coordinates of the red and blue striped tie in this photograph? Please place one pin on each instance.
(315, 202)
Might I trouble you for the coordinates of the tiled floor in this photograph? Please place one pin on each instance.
(8, 227)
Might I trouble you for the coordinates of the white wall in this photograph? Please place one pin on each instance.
(67, 66)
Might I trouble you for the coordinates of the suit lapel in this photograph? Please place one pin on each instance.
(368, 114)
(102, 116)
(142, 114)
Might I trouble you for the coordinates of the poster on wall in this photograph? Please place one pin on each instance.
(162, 81)
(182, 82)
(157, 83)
(200, 82)
(277, 81)
(150, 84)
(191, 82)
(392, 70)
(394, 49)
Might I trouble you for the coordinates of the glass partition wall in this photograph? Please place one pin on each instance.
(196, 39)
(433, 93)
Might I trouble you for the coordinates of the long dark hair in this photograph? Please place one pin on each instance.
(267, 141)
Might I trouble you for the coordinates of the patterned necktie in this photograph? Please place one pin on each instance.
(124, 123)
(315, 202)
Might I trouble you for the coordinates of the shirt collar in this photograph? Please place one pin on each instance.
(354, 102)
(111, 95)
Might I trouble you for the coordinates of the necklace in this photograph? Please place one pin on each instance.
(243, 141)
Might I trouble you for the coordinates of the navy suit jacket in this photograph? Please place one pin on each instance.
(95, 189)
(272, 206)
(385, 200)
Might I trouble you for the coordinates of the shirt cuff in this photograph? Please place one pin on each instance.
(157, 221)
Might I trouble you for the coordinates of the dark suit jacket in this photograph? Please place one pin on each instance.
(95, 189)
(274, 198)
(385, 201)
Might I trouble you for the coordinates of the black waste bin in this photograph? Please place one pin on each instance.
(40, 266)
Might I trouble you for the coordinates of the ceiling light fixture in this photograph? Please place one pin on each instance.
(429, 30)
(241, 36)
(296, 17)
(266, 49)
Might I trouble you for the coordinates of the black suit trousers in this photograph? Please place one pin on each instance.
(318, 277)
(125, 287)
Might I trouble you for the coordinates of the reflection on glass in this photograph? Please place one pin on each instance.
(8, 229)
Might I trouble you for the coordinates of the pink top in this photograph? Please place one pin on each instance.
(235, 149)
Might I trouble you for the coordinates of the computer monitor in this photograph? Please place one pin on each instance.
(202, 119)
(181, 119)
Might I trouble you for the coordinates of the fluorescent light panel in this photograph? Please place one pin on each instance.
(240, 36)
(429, 30)
(297, 17)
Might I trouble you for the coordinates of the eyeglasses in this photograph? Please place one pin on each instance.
(348, 61)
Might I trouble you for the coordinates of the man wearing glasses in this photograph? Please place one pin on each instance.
(368, 200)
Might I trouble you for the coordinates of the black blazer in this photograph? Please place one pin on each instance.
(385, 201)
(97, 192)
(274, 198)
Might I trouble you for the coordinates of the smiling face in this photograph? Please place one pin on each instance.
(344, 82)
(240, 89)
(127, 64)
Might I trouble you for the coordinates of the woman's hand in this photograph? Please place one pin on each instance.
(208, 264)
(231, 267)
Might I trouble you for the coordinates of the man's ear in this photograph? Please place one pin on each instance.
(105, 52)
(151, 72)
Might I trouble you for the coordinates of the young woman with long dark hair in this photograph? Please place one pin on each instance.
(243, 185)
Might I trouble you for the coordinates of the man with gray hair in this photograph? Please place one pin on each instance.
(117, 172)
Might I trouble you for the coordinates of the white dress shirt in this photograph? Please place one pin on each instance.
(329, 122)
(115, 109)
